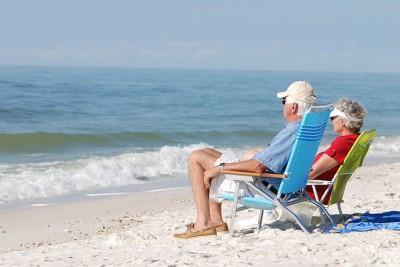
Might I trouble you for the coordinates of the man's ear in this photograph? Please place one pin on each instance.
(295, 108)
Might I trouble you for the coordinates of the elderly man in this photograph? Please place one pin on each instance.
(207, 164)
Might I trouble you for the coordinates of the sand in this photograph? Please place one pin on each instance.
(137, 230)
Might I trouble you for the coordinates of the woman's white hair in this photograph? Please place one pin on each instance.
(354, 112)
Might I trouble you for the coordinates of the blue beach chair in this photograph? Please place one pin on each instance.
(294, 179)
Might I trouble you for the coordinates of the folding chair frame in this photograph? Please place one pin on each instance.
(295, 177)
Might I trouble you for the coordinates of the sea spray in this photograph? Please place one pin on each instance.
(40, 180)
(383, 145)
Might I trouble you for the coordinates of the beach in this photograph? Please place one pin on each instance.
(102, 104)
(137, 230)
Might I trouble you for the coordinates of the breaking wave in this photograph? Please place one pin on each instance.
(40, 180)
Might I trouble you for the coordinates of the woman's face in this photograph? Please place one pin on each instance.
(338, 124)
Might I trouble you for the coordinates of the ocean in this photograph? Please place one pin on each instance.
(69, 131)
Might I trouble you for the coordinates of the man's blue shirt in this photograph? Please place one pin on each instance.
(276, 156)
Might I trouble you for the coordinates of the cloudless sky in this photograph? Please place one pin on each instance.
(228, 34)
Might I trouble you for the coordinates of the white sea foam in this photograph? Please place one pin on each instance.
(106, 194)
(384, 145)
(41, 180)
(20, 182)
(41, 204)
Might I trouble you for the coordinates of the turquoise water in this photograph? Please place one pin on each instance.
(113, 126)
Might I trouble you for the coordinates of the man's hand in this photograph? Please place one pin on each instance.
(210, 174)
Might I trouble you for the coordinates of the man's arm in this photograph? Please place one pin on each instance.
(250, 165)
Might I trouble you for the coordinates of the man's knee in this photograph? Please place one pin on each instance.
(249, 154)
(196, 156)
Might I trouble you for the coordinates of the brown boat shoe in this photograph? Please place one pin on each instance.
(191, 232)
(223, 227)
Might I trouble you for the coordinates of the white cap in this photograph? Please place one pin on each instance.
(338, 113)
(300, 90)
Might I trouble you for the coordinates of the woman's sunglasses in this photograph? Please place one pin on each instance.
(283, 101)
(332, 118)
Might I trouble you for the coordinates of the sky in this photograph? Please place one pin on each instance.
(341, 35)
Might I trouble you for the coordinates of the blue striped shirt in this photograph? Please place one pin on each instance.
(276, 156)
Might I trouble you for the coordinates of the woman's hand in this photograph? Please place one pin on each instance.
(210, 174)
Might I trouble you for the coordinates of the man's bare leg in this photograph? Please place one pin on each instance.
(198, 162)
(249, 154)
(215, 207)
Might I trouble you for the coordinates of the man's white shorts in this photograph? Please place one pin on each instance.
(221, 185)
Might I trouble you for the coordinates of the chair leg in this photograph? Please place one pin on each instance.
(340, 211)
(324, 210)
(260, 218)
(322, 215)
(297, 219)
(315, 192)
(234, 207)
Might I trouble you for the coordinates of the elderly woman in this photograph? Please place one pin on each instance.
(347, 119)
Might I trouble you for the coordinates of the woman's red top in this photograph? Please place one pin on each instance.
(338, 150)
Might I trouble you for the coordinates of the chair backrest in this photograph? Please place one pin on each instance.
(304, 149)
(353, 160)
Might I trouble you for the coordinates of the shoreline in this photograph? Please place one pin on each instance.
(158, 184)
(167, 183)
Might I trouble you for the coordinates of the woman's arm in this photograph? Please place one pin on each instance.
(323, 164)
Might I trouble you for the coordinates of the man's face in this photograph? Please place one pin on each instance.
(289, 109)
(286, 108)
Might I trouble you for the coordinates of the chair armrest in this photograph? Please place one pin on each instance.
(319, 182)
(264, 174)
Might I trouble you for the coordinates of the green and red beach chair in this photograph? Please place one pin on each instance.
(335, 188)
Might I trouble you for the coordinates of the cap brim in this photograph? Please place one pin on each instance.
(336, 113)
(282, 94)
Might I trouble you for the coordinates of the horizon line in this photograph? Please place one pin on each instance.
(196, 68)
